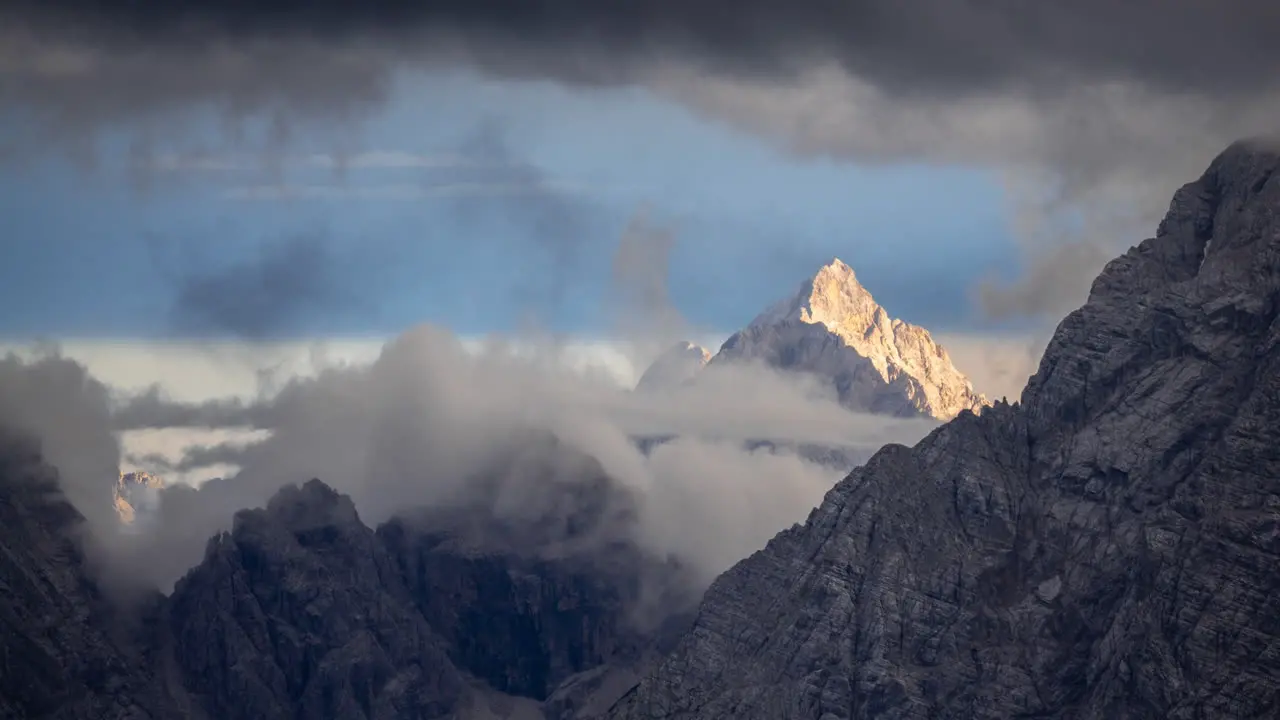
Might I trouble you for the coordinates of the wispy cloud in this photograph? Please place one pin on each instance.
(376, 159)
(398, 191)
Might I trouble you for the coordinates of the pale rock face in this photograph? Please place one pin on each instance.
(136, 495)
(833, 328)
(677, 366)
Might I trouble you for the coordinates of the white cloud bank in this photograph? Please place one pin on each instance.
(431, 417)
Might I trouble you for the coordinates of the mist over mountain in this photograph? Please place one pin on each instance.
(675, 367)
(833, 330)
(832, 334)
(137, 493)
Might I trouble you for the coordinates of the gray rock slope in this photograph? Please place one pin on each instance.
(300, 612)
(1107, 548)
(60, 656)
(303, 611)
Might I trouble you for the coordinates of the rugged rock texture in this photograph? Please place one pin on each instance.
(521, 623)
(300, 612)
(59, 656)
(680, 364)
(482, 611)
(136, 493)
(529, 596)
(834, 329)
(1109, 548)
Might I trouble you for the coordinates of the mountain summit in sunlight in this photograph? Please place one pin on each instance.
(134, 493)
(834, 329)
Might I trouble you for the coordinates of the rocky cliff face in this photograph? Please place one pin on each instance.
(300, 612)
(525, 624)
(303, 611)
(1108, 548)
(62, 650)
(833, 328)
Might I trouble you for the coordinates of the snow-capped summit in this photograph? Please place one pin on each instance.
(676, 366)
(833, 327)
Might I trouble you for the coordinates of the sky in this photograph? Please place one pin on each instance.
(301, 220)
(498, 208)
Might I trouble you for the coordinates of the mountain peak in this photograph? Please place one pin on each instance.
(674, 367)
(833, 292)
(900, 353)
(1140, 468)
(837, 268)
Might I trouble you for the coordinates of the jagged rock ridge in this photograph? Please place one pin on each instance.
(1106, 549)
(300, 612)
(60, 653)
(303, 611)
(833, 327)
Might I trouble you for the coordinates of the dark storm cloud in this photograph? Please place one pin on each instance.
(315, 51)
(273, 293)
(1105, 105)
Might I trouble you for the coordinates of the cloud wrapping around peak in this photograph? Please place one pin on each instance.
(434, 424)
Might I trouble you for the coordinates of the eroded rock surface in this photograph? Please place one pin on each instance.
(833, 328)
(1107, 548)
(63, 653)
(300, 612)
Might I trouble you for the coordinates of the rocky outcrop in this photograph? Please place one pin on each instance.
(1108, 548)
(136, 493)
(498, 608)
(526, 598)
(63, 653)
(524, 624)
(834, 329)
(299, 612)
(680, 364)
(303, 611)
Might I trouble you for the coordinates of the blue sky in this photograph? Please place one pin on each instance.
(517, 219)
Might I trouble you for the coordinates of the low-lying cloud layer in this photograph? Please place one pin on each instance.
(428, 424)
